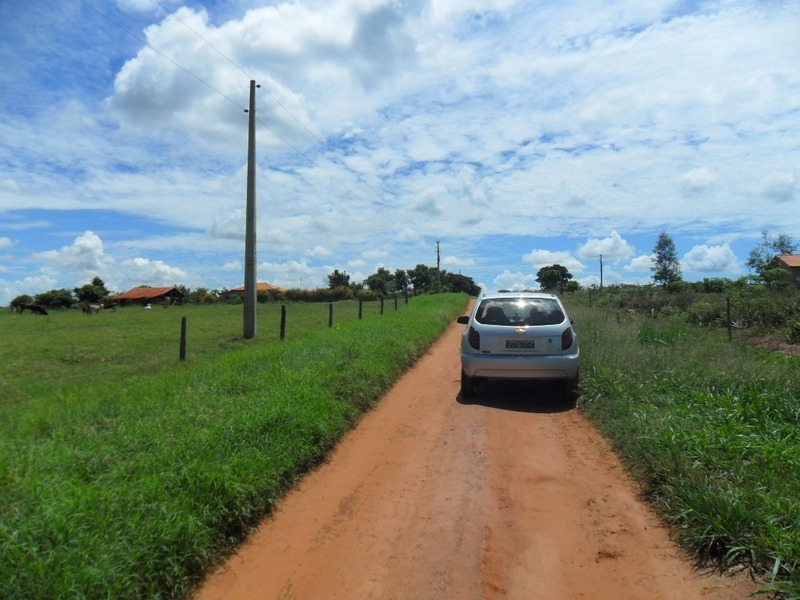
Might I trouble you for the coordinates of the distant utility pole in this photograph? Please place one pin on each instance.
(601, 271)
(438, 271)
(249, 327)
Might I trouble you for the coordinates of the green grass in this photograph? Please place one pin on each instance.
(127, 474)
(711, 430)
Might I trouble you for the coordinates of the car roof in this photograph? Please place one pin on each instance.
(507, 294)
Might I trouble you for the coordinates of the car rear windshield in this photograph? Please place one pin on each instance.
(519, 311)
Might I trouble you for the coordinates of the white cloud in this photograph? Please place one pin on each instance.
(318, 251)
(542, 258)
(612, 248)
(640, 263)
(143, 271)
(781, 187)
(495, 126)
(710, 259)
(454, 261)
(697, 180)
(515, 281)
(6, 242)
(85, 254)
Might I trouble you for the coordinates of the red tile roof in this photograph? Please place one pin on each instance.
(790, 260)
(143, 293)
(260, 287)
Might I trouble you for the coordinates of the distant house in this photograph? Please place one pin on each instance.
(261, 286)
(152, 295)
(790, 262)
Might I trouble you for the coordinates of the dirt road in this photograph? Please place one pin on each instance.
(513, 495)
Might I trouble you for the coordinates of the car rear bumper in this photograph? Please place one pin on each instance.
(520, 367)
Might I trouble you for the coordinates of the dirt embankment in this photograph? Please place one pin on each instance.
(510, 496)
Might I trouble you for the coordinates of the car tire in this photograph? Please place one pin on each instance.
(467, 385)
(572, 390)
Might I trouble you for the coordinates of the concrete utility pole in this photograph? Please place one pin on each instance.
(249, 328)
(601, 271)
(438, 271)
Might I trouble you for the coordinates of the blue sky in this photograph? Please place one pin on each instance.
(517, 134)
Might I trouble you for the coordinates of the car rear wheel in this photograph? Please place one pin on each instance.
(572, 389)
(467, 385)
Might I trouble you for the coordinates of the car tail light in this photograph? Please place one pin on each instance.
(567, 338)
(474, 338)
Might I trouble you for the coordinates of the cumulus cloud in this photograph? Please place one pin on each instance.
(640, 263)
(710, 259)
(454, 261)
(515, 281)
(697, 180)
(85, 254)
(318, 251)
(612, 248)
(781, 187)
(541, 258)
(495, 126)
(6, 242)
(151, 272)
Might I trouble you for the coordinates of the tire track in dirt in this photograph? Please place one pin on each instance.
(509, 496)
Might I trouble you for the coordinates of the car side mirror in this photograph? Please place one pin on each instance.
(463, 319)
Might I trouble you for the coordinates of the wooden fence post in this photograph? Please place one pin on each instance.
(395, 301)
(183, 339)
(360, 308)
(283, 321)
(381, 305)
(330, 314)
(728, 306)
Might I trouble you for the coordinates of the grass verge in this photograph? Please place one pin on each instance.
(135, 489)
(710, 429)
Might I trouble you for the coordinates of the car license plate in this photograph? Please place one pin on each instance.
(520, 344)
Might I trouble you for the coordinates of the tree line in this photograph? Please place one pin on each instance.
(666, 268)
(384, 283)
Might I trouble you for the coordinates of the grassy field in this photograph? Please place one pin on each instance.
(125, 473)
(711, 428)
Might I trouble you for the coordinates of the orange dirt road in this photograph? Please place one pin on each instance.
(513, 495)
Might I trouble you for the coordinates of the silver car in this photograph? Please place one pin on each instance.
(519, 335)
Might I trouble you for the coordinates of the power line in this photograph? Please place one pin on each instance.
(162, 55)
(342, 185)
(240, 69)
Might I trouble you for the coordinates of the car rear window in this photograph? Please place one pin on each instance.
(519, 311)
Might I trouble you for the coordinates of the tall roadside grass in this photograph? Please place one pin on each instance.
(135, 489)
(711, 429)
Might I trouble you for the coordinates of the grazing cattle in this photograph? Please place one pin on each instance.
(34, 308)
(91, 309)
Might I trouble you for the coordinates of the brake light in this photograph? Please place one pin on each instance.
(567, 338)
(474, 338)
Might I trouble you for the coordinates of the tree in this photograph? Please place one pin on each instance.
(553, 277)
(422, 277)
(20, 300)
(381, 282)
(762, 255)
(202, 296)
(401, 281)
(56, 298)
(456, 282)
(338, 279)
(92, 292)
(666, 267)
